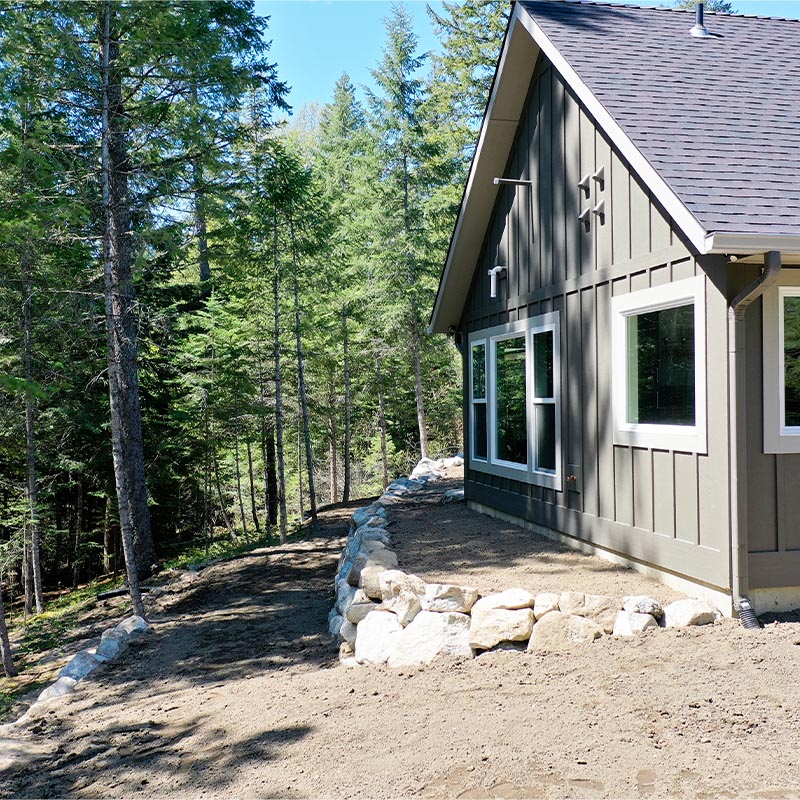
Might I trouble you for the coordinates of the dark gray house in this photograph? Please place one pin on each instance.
(627, 297)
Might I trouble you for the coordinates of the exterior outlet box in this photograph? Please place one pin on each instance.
(572, 480)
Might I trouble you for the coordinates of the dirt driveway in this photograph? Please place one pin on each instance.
(236, 693)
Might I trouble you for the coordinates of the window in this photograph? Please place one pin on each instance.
(478, 400)
(782, 370)
(515, 400)
(658, 367)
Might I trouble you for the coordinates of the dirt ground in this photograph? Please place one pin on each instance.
(236, 692)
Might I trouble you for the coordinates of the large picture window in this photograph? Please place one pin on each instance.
(659, 367)
(515, 400)
(782, 370)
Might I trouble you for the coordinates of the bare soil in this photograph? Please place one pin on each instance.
(236, 692)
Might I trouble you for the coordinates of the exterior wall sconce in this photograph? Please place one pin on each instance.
(493, 273)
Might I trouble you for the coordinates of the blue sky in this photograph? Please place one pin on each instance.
(314, 41)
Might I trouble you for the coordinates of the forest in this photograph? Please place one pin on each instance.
(212, 313)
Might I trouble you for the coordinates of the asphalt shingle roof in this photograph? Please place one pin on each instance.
(718, 118)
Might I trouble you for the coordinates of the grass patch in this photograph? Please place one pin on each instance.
(222, 549)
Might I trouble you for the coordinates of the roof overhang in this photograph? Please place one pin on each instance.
(506, 102)
(751, 243)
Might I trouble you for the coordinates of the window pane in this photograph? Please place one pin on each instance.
(543, 364)
(479, 432)
(791, 361)
(479, 371)
(546, 436)
(661, 367)
(512, 439)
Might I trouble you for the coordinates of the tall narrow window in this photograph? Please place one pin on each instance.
(511, 438)
(544, 401)
(479, 416)
(791, 361)
(782, 369)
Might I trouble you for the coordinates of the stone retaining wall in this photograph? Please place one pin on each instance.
(385, 615)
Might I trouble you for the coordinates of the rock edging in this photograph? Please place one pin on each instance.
(383, 615)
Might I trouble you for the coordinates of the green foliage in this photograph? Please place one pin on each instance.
(718, 6)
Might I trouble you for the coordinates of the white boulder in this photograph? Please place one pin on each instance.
(370, 580)
(447, 597)
(402, 594)
(111, 645)
(347, 632)
(80, 665)
(631, 623)
(359, 607)
(570, 602)
(509, 599)
(335, 624)
(431, 634)
(683, 613)
(376, 636)
(61, 687)
(133, 626)
(344, 596)
(600, 609)
(642, 604)
(545, 603)
(491, 626)
(453, 496)
(559, 631)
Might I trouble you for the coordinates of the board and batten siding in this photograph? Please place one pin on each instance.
(773, 479)
(664, 508)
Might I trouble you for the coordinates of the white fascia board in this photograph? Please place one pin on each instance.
(741, 243)
(674, 206)
(497, 132)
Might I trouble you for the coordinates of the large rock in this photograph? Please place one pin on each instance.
(362, 516)
(376, 637)
(402, 594)
(335, 624)
(133, 626)
(111, 645)
(432, 634)
(600, 609)
(545, 603)
(559, 631)
(427, 469)
(455, 461)
(383, 557)
(80, 665)
(491, 626)
(642, 604)
(61, 687)
(570, 602)
(631, 623)
(371, 545)
(368, 533)
(446, 597)
(387, 499)
(509, 599)
(370, 580)
(453, 496)
(347, 632)
(360, 607)
(344, 596)
(682, 613)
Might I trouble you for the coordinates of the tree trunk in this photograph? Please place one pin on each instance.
(348, 434)
(200, 231)
(76, 564)
(253, 505)
(27, 575)
(278, 385)
(271, 476)
(123, 380)
(239, 481)
(26, 269)
(411, 279)
(108, 537)
(301, 380)
(332, 454)
(382, 421)
(300, 498)
(5, 645)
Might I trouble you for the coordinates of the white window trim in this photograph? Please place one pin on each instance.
(681, 438)
(778, 438)
(482, 401)
(521, 472)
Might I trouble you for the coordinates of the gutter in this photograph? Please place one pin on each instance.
(737, 416)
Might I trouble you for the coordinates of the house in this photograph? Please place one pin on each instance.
(623, 283)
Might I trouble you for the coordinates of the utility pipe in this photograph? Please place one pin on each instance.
(737, 408)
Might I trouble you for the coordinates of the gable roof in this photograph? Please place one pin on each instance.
(711, 125)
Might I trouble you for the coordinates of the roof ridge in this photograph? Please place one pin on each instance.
(611, 4)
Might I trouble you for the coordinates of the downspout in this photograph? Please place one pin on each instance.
(737, 407)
